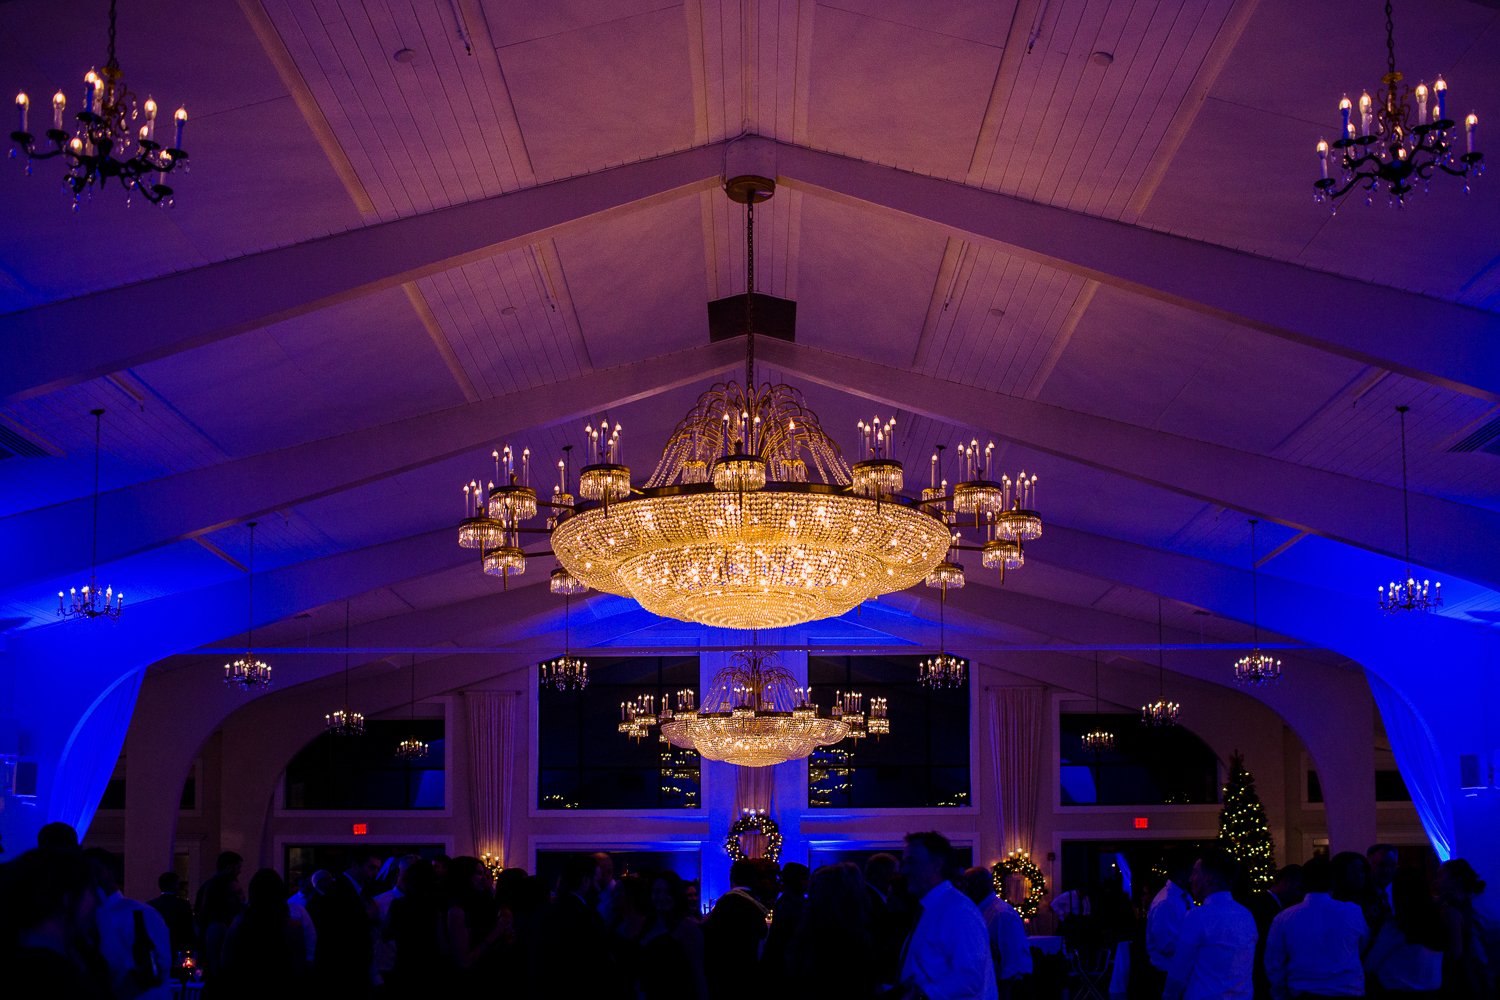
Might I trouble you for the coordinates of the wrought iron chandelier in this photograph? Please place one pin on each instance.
(344, 721)
(1097, 741)
(1161, 712)
(413, 748)
(113, 138)
(943, 670)
(248, 672)
(755, 715)
(1256, 668)
(1388, 145)
(751, 518)
(1408, 595)
(567, 672)
(91, 602)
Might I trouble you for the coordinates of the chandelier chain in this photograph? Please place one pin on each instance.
(1390, 38)
(98, 432)
(114, 63)
(750, 294)
(250, 604)
(1405, 495)
(1161, 655)
(346, 658)
(1254, 585)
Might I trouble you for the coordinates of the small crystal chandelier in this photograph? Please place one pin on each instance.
(943, 670)
(107, 142)
(754, 715)
(567, 672)
(344, 722)
(1386, 146)
(249, 671)
(1097, 741)
(1256, 668)
(1160, 713)
(1409, 595)
(91, 602)
(412, 748)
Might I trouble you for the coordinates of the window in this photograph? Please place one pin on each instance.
(1148, 766)
(1389, 787)
(922, 762)
(339, 772)
(584, 762)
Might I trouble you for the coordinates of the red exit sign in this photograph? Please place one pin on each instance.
(1142, 823)
(360, 829)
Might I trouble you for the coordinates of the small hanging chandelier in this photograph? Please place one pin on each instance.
(113, 137)
(249, 671)
(345, 722)
(943, 670)
(567, 672)
(1097, 741)
(1256, 668)
(1387, 146)
(412, 748)
(1161, 712)
(1409, 595)
(91, 602)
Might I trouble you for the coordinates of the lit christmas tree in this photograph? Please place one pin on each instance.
(1242, 825)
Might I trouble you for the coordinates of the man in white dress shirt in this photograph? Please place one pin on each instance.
(1314, 948)
(947, 956)
(1009, 949)
(133, 938)
(1215, 949)
(1164, 918)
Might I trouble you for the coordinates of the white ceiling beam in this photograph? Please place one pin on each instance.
(42, 544)
(1430, 339)
(71, 341)
(1456, 538)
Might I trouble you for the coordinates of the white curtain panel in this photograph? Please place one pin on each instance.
(1418, 760)
(490, 722)
(1015, 737)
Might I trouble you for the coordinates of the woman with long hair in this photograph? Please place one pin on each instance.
(264, 951)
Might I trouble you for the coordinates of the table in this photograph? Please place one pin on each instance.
(1047, 944)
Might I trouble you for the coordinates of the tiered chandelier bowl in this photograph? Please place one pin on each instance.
(755, 715)
(1384, 142)
(113, 137)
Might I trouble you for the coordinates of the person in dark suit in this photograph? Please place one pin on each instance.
(575, 944)
(732, 934)
(175, 911)
(1264, 904)
(786, 914)
(889, 923)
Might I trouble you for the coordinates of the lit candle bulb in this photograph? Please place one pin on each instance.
(59, 102)
(1344, 108)
(1323, 158)
(1471, 124)
(23, 105)
(181, 118)
(150, 109)
(1440, 87)
(1421, 95)
(1364, 113)
(90, 86)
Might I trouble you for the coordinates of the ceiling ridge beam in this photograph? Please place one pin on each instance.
(43, 544)
(1339, 507)
(1459, 348)
(64, 343)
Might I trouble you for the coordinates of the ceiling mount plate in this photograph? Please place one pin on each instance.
(749, 188)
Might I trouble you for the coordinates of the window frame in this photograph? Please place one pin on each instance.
(280, 810)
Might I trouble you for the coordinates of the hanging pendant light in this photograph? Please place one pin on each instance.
(567, 672)
(412, 748)
(92, 602)
(1256, 668)
(1160, 713)
(248, 672)
(943, 670)
(1409, 595)
(345, 722)
(1098, 740)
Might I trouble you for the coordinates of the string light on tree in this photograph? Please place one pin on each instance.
(1243, 831)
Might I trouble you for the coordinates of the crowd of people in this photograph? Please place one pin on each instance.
(907, 927)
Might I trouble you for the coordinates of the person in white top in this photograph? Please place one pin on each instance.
(1009, 948)
(1314, 948)
(947, 955)
(1215, 948)
(132, 937)
(1164, 918)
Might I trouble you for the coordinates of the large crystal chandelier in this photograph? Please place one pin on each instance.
(1160, 713)
(1388, 145)
(754, 714)
(345, 721)
(91, 602)
(1256, 667)
(113, 138)
(1409, 594)
(248, 672)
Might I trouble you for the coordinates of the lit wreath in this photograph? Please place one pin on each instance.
(757, 822)
(1020, 863)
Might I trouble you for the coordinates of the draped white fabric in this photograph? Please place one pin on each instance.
(753, 787)
(490, 722)
(1418, 760)
(88, 759)
(1015, 738)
